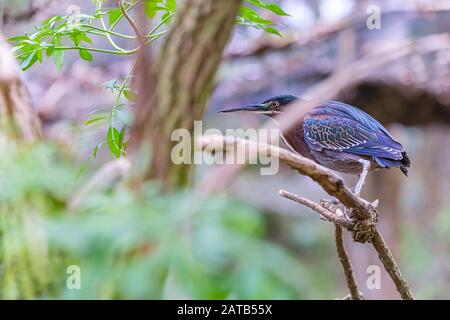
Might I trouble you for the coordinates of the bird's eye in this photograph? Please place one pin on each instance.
(275, 104)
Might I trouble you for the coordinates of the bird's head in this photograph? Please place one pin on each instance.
(269, 107)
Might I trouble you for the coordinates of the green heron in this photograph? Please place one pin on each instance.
(338, 136)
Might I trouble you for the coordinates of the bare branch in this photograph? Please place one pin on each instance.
(391, 266)
(328, 180)
(330, 216)
(338, 220)
(364, 217)
(346, 264)
(131, 22)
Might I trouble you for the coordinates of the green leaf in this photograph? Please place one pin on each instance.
(58, 58)
(93, 120)
(152, 7)
(49, 51)
(51, 22)
(30, 42)
(86, 55)
(114, 141)
(29, 61)
(171, 5)
(269, 6)
(114, 15)
(76, 37)
(122, 137)
(18, 48)
(166, 18)
(96, 149)
(252, 16)
(18, 38)
(58, 55)
(85, 38)
(39, 55)
(130, 95)
(273, 31)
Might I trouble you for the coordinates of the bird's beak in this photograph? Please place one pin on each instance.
(256, 108)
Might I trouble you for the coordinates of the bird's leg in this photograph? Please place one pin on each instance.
(362, 177)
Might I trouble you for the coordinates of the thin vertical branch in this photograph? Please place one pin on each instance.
(339, 220)
(131, 22)
(346, 264)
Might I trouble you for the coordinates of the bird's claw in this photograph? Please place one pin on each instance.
(329, 202)
(375, 204)
(333, 206)
(347, 216)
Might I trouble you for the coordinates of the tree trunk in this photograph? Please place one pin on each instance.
(22, 259)
(18, 120)
(179, 83)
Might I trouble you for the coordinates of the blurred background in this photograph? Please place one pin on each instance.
(249, 242)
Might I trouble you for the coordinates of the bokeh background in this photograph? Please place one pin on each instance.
(249, 242)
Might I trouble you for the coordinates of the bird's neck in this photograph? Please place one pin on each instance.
(294, 139)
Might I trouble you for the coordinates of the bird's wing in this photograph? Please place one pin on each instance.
(340, 127)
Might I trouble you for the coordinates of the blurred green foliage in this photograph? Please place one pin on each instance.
(129, 245)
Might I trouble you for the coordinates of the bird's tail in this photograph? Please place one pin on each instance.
(403, 164)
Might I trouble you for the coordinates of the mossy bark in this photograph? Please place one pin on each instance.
(18, 120)
(21, 261)
(180, 81)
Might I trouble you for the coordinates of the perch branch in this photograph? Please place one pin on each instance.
(328, 180)
(364, 214)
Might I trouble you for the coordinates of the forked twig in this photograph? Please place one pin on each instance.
(339, 220)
